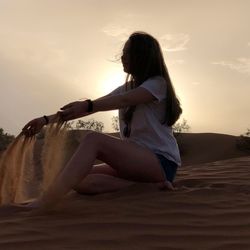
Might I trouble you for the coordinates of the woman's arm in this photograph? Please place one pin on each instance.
(74, 110)
(130, 98)
(110, 102)
(54, 117)
(79, 109)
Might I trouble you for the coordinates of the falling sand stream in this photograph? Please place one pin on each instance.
(22, 176)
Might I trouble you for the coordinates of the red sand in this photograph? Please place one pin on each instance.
(210, 209)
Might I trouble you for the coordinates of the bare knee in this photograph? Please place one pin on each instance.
(91, 139)
(96, 140)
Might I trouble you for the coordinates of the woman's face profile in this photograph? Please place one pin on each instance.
(125, 58)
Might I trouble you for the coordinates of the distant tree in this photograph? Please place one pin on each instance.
(90, 125)
(180, 127)
(70, 125)
(115, 123)
(5, 139)
(79, 124)
(243, 142)
(177, 128)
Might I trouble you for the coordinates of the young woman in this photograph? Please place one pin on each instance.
(147, 150)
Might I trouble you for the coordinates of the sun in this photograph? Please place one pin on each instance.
(112, 79)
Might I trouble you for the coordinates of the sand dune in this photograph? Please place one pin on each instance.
(195, 148)
(209, 210)
(208, 147)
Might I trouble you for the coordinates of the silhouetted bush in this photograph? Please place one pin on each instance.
(115, 123)
(91, 124)
(5, 139)
(243, 142)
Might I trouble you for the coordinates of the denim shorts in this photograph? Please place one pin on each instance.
(169, 167)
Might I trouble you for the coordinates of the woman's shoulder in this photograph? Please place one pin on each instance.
(155, 82)
(156, 78)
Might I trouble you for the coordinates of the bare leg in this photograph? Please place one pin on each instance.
(130, 160)
(101, 179)
(105, 182)
(101, 183)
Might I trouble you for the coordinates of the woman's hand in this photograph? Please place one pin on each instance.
(73, 110)
(33, 127)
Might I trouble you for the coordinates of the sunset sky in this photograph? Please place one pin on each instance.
(54, 52)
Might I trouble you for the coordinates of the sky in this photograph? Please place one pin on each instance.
(53, 52)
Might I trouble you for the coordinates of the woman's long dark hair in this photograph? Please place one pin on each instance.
(146, 60)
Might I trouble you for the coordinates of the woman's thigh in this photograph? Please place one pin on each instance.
(131, 161)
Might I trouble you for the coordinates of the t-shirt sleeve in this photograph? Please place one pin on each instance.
(156, 86)
(116, 91)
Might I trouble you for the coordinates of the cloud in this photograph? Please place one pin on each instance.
(175, 62)
(174, 42)
(116, 31)
(242, 65)
(168, 42)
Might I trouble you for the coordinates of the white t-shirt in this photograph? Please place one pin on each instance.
(146, 127)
